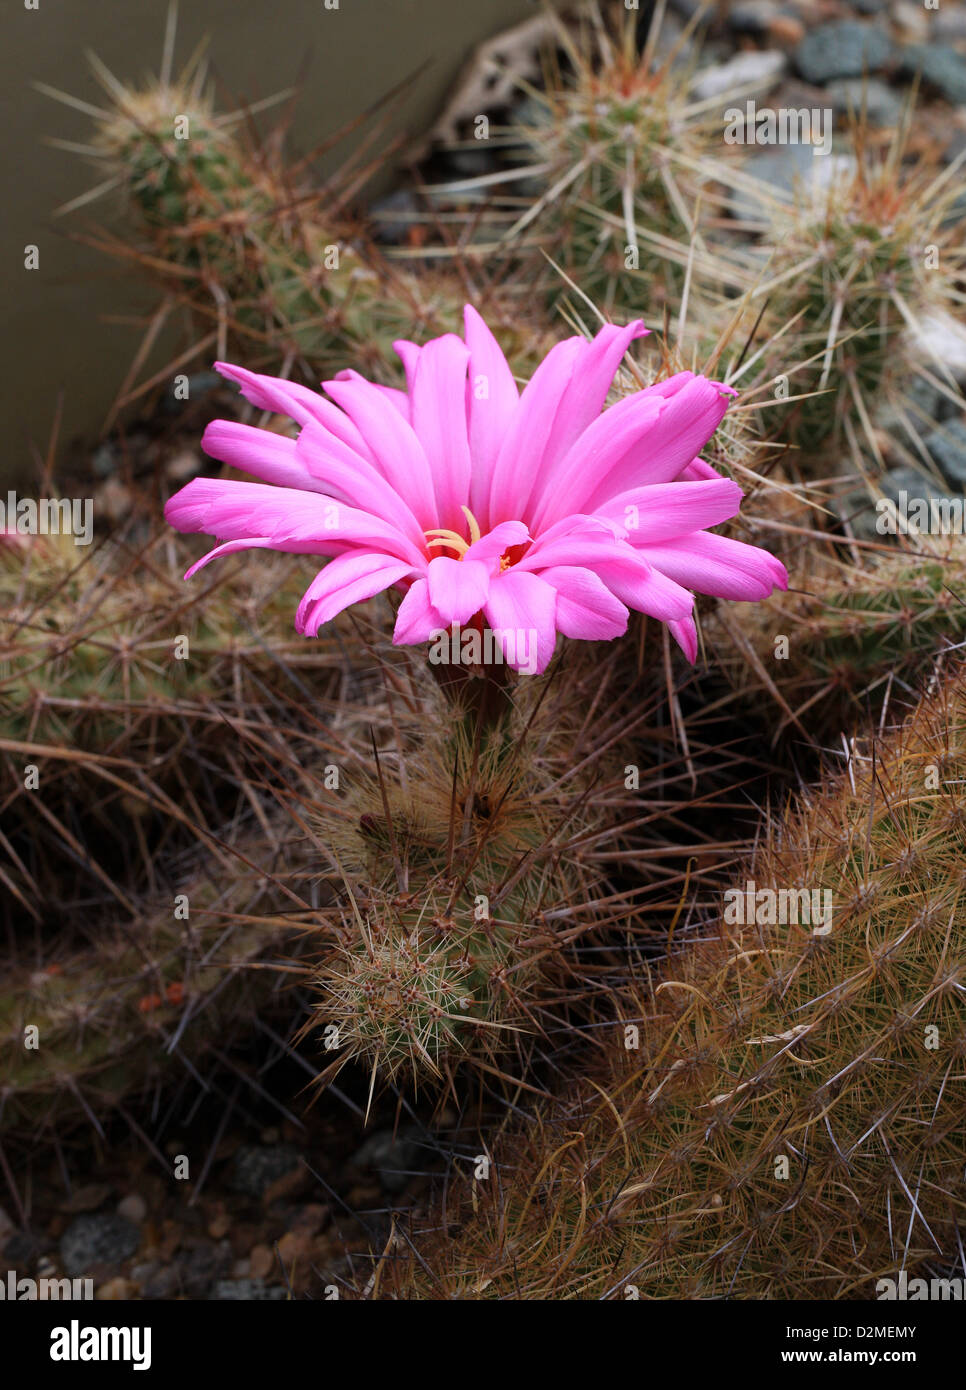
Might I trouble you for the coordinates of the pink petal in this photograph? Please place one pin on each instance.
(269, 456)
(345, 474)
(396, 398)
(686, 635)
(491, 398)
(288, 398)
(586, 547)
(521, 609)
(668, 510)
(287, 518)
(698, 471)
(457, 588)
(593, 373)
(408, 354)
(586, 608)
(350, 578)
(609, 438)
(397, 451)
(520, 458)
(563, 397)
(438, 408)
(496, 542)
(718, 565)
(417, 620)
(648, 438)
(646, 589)
(228, 548)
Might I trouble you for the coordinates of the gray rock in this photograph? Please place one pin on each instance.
(104, 461)
(851, 94)
(842, 49)
(864, 514)
(156, 1280)
(199, 1267)
(200, 384)
(97, 1238)
(955, 147)
(249, 1290)
(751, 16)
(789, 169)
(949, 23)
(752, 72)
(469, 162)
(394, 1160)
(947, 449)
(926, 401)
(940, 66)
(910, 21)
(256, 1166)
(939, 339)
(22, 1250)
(912, 483)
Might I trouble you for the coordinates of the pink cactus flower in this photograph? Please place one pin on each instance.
(536, 510)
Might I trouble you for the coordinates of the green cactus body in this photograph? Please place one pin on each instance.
(784, 1119)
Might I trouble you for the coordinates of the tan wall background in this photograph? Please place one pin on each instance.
(54, 334)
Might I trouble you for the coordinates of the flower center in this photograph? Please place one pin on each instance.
(452, 540)
(454, 546)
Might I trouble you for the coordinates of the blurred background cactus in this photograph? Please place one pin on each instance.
(234, 230)
(142, 704)
(857, 631)
(861, 257)
(143, 1004)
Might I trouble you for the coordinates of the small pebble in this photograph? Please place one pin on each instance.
(133, 1207)
(219, 1226)
(947, 448)
(949, 23)
(911, 20)
(261, 1262)
(114, 1289)
(939, 338)
(786, 30)
(248, 1290)
(845, 49)
(256, 1167)
(938, 66)
(752, 72)
(182, 465)
(102, 1238)
(853, 95)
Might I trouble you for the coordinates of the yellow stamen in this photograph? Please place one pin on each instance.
(474, 525)
(452, 540)
(449, 540)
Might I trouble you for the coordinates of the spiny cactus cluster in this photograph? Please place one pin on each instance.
(270, 262)
(130, 700)
(90, 634)
(852, 633)
(782, 1108)
(89, 1026)
(465, 888)
(859, 258)
(601, 183)
(234, 230)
